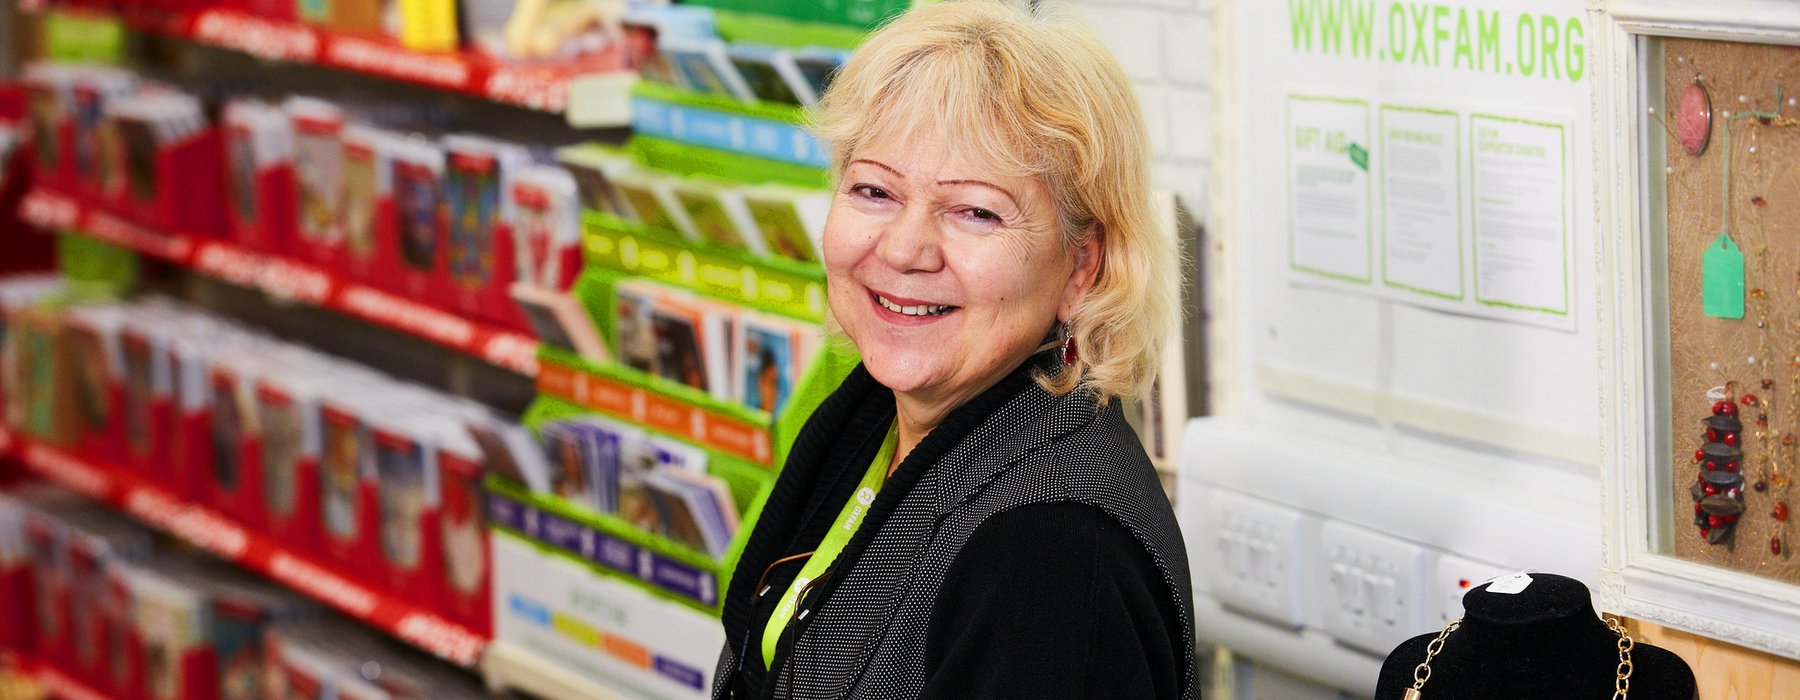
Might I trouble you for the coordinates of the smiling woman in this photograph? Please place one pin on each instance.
(969, 515)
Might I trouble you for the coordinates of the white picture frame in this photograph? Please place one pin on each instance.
(1638, 577)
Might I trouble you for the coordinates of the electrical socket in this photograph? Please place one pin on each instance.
(1262, 555)
(1372, 586)
(1452, 578)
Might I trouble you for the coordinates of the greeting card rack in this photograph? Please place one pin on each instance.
(604, 557)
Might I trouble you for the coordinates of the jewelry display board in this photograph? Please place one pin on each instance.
(1731, 155)
(1697, 156)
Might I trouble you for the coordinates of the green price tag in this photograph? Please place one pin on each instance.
(1722, 279)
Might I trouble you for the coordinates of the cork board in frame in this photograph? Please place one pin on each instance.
(1650, 203)
(1756, 358)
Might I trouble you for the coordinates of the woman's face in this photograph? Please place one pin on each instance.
(946, 273)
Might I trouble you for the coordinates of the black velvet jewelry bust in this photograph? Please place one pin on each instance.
(1542, 643)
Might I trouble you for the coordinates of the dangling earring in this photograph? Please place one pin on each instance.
(1069, 352)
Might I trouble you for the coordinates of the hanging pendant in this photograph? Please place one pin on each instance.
(1693, 119)
(1722, 279)
(1718, 490)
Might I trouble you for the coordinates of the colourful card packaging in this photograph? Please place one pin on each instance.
(93, 334)
(791, 219)
(240, 614)
(704, 66)
(148, 388)
(595, 168)
(546, 227)
(97, 539)
(320, 197)
(171, 617)
(259, 167)
(407, 495)
(651, 196)
(49, 110)
(235, 429)
(480, 205)
(561, 321)
(718, 214)
(287, 407)
(693, 342)
(366, 186)
(94, 141)
(346, 476)
(573, 474)
(634, 335)
(416, 177)
(768, 357)
(771, 74)
(819, 65)
(462, 526)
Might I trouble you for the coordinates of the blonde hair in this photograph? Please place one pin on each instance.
(1033, 93)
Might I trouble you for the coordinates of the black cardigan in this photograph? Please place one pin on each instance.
(1023, 549)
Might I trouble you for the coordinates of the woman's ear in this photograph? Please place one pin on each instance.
(1089, 256)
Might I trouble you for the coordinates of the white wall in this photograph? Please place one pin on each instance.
(1166, 47)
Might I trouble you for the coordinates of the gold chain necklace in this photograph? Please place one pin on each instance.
(1621, 683)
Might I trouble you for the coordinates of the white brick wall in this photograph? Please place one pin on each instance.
(1166, 48)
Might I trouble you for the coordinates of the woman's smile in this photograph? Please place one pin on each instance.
(909, 312)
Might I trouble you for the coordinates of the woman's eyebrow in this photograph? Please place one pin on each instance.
(983, 183)
(881, 165)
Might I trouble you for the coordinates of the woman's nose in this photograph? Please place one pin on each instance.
(912, 242)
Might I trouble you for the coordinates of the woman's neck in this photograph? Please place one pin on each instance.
(917, 413)
(911, 427)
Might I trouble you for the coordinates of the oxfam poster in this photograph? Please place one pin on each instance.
(1427, 150)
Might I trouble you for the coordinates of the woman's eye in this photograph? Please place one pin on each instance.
(871, 192)
(982, 215)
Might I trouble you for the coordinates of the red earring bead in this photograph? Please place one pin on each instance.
(1731, 466)
(1781, 512)
(1705, 531)
(1699, 455)
(1714, 521)
(1731, 439)
(1749, 399)
(1724, 408)
(1709, 489)
(1712, 435)
(1696, 509)
(1712, 466)
(1775, 546)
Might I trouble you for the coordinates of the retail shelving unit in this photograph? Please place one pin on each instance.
(586, 603)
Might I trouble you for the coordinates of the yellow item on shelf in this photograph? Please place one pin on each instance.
(428, 25)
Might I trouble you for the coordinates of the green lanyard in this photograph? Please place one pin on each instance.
(847, 521)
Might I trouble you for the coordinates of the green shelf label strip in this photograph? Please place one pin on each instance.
(795, 289)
